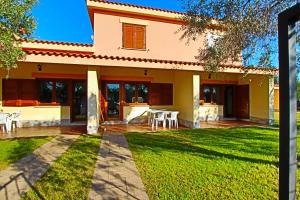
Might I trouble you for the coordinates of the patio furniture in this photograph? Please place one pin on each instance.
(16, 119)
(173, 117)
(5, 122)
(159, 117)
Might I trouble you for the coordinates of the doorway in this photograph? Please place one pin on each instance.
(79, 101)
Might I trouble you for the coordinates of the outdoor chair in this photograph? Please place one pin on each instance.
(159, 117)
(5, 122)
(16, 119)
(150, 117)
(173, 118)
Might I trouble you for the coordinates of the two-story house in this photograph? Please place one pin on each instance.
(137, 62)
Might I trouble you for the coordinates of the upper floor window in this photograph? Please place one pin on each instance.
(134, 36)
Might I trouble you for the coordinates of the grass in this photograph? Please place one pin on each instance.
(276, 118)
(70, 177)
(13, 150)
(234, 163)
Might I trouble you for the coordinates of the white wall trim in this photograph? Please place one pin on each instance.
(133, 21)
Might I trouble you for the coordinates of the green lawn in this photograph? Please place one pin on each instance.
(276, 117)
(70, 177)
(13, 150)
(235, 163)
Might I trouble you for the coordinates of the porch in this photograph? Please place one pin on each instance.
(54, 95)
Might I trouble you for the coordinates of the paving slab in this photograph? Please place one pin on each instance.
(19, 177)
(116, 175)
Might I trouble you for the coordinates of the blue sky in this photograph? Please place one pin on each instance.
(68, 20)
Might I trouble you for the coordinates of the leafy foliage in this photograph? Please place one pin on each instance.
(16, 22)
(248, 26)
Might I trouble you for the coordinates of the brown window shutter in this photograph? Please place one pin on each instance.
(140, 37)
(128, 34)
(161, 94)
(10, 92)
(28, 92)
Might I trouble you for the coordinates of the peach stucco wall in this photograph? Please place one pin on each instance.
(162, 41)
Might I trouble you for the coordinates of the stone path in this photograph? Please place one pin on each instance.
(21, 176)
(116, 176)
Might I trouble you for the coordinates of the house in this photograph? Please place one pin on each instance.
(137, 62)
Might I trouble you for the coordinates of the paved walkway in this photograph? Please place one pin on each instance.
(21, 176)
(116, 176)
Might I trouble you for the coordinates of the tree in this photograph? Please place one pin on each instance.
(247, 26)
(16, 23)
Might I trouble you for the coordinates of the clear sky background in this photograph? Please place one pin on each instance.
(68, 20)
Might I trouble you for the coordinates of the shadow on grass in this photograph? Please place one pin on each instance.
(244, 144)
(70, 177)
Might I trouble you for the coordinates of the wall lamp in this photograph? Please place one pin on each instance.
(39, 67)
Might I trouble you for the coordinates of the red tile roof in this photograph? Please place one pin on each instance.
(138, 6)
(57, 43)
(123, 58)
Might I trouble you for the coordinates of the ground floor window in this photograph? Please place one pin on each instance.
(212, 94)
(136, 92)
(52, 91)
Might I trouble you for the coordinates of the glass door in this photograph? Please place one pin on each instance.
(113, 100)
(79, 101)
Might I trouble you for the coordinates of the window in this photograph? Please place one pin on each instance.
(53, 91)
(61, 92)
(46, 91)
(143, 93)
(130, 93)
(136, 93)
(211, 94)
(134, 36)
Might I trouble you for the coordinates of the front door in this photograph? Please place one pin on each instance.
(79, 101)
(113, 101)
(242, 101)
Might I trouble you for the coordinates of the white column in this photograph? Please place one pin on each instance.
(93, 102)
(271, 100)
(196, 101)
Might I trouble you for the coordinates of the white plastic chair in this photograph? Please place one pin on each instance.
(16, 119)
(159, 117)
(150, 117)
(173, 117)
(5, 122)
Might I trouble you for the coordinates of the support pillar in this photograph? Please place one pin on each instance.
(271, 101)
(196, 101)
(93, 104)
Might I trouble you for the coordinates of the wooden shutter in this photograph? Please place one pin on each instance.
(161, 94)
(242, 101)
(134, 36)
(140, 37)
(128, 34)
(19, 92)
(10, 92)
(27, 92)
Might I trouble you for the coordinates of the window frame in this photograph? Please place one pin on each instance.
(134, 37)
(54, 98)
(211, 86)
(136, 92)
